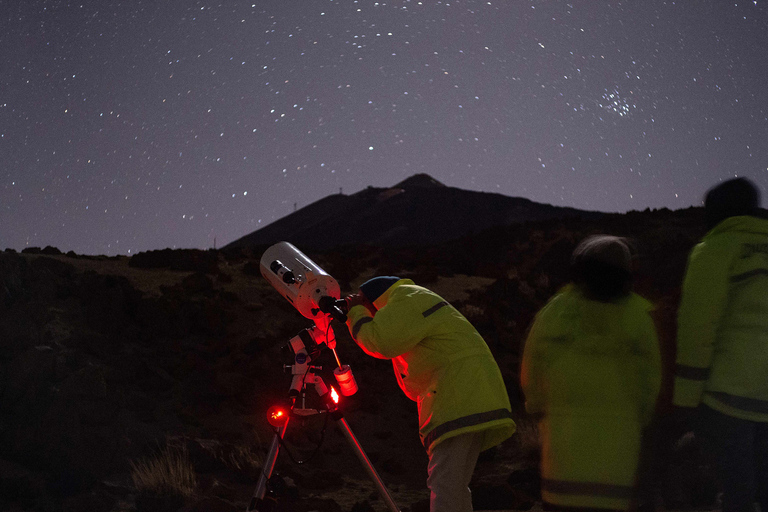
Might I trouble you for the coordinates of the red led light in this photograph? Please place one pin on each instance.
(277, 416)
(334, 395)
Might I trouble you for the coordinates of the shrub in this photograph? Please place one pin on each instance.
(167, 473)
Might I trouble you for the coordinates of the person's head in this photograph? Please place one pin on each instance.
(375, 287)
(602, 266)
(738, 196)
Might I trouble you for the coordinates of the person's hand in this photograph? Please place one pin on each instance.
(356, 299)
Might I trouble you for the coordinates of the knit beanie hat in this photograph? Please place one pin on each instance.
(738, 196)
(609, 250)
(373, 288)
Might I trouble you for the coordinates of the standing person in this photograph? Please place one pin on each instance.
(591, 372)
(443, 364)
(722, 342)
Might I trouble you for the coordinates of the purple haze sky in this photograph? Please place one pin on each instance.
(136, 125)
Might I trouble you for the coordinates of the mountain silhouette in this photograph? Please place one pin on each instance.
(417, 211)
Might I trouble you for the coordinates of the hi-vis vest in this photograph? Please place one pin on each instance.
(441, 362)
(722, 338)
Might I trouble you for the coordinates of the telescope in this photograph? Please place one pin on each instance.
(316, 295)
(309, 288)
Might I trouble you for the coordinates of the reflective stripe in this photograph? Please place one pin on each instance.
(747, 275)
(465, 421)
(435, 308)
(691, 372)
(741, 402)
(359, 324)
(586, 488)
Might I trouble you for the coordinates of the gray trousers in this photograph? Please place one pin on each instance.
(450, 469)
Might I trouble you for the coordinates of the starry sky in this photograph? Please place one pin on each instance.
(128, 126)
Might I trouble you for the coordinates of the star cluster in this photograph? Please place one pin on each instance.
(129, 126)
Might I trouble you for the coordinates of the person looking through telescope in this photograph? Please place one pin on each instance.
(443, 364)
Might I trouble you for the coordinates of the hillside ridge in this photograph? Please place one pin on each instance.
(416, 211)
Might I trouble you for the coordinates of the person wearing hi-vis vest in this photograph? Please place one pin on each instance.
(591, 374)
(721, 372)
(443, 364)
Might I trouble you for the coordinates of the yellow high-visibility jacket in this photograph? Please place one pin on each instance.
(722, 336)
(441, 362)
(592, 371)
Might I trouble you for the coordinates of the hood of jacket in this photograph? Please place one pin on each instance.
(740, 223)
(382, 300)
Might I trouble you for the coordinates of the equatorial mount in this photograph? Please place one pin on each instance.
(315, 294)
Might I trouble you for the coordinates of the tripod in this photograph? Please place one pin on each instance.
(306, 346)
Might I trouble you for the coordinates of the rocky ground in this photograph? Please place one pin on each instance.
(108, 362)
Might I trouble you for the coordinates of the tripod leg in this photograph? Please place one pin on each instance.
(266, 470)
(368, 465)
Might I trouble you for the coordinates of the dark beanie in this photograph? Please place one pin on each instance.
(376, 286)
(738, 196)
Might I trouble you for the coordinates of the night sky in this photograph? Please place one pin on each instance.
(134, 125)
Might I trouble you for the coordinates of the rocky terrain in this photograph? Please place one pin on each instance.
(111, 364)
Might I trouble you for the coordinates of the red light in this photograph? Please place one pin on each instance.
(277, 416)
(334, 395)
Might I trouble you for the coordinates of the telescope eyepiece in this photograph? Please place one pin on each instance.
(337, 308)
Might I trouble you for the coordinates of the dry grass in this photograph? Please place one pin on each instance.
(169, 472)
(244, 458)
(459, 287)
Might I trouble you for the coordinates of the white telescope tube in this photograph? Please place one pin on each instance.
(299, 279)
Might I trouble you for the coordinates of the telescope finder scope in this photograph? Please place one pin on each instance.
(282, 272)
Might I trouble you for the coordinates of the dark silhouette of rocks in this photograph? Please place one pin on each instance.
(176, 259)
